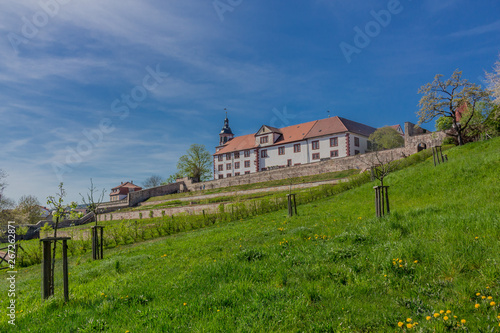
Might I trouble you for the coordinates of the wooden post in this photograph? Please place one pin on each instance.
(97, 242)
(387, 199)
(292, 204)
(46, 268)
(381, 200)
(377, 201)
(65, 269)
(47, 274)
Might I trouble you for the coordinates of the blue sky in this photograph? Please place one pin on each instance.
(118, 90)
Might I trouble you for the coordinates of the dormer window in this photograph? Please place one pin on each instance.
(264, 139)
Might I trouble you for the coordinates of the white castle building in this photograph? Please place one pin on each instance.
(272, 148)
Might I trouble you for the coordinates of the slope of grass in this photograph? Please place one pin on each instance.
(266, 184)
(334, 268)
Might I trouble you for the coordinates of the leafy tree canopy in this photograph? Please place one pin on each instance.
(448, 99)
(197, 163)
(386, 138)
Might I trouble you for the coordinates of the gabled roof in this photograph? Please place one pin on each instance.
(238, 143)
(270, 128)
(127, 184)
(295, 132)
(397, 128)
(336, 125)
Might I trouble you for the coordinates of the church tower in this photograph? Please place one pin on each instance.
(225, 134)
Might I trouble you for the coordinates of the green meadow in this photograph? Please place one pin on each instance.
(432, 265)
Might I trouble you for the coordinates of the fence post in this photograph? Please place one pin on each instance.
(97, 242)
(47, 274)
(292, 204)
(65, 269)
(46, 268)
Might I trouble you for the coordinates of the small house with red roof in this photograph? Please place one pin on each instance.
(120, 192)
(398, 128)
(271, 147)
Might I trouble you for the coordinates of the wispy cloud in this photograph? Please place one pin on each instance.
(479, 30)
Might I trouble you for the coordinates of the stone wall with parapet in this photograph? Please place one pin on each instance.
(417, 138)
(135, 215)
(139, 196)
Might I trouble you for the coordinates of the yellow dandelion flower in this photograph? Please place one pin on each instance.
(448, 311)
(483, 297)
(436, 315)
(409, 326)
(489, 297)
(400, 324)
(463, 321)
(477, 306)
(218, 310)
(445, 318)
(408, 320)
(184, 304)
(416, 261)
(441, 311)
(492, 303)
(478, 294)
(102, 294)
(428, 317)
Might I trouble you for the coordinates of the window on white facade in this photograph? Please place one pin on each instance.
(334, 153)
(315, 145)
(237, 154)
(334, 142)
(221, 167)
(263, 153)
(247, 164)
(296, 148)
(228, 156)
(281, 150)
(315, 156)
(264, 139)
(289, 163)
(356, 142)
(220, 157)
(228, 166)
(236, 165)
(247, 153)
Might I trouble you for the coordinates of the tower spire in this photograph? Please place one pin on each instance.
(225, 134)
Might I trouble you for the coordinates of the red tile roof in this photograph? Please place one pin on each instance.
(300, 132)
(129, 185)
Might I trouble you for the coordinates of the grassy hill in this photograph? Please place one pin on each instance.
(334, 268)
